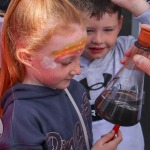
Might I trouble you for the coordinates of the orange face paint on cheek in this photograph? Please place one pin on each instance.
(74, 48)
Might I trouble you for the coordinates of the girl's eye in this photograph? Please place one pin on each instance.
(66, 63)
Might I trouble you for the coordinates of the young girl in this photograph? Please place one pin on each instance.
(43, 108)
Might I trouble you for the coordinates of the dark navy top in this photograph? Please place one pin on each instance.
(41, 118)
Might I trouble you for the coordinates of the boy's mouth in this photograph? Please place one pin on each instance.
(96, 50)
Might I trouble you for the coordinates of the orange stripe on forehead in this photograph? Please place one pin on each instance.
(72, 48)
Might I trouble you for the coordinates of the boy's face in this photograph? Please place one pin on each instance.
(102, 35)
(59, 60)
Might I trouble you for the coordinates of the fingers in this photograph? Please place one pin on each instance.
(142, 63)
(118, 137)
(145, 26)
(107, 137)
(129, 51)
(124, 60)
(109, 141)
(112, 137)
(127, 55)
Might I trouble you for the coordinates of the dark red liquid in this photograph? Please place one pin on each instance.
(122, 108)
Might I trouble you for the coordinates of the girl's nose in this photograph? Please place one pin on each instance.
(76, 69)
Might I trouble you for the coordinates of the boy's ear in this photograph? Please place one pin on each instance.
(120, 22)
(24, 57)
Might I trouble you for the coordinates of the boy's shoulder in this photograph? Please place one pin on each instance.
(124, 42)
(125, 38)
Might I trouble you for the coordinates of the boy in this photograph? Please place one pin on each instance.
(101, 60)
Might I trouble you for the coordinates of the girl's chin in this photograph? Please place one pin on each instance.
(64, 85)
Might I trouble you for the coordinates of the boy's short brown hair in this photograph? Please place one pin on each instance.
(100, 7)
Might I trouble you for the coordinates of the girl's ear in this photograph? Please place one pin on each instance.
(24, 57)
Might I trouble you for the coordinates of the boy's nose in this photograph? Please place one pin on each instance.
(97, 38)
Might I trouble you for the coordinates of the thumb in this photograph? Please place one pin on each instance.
(142, 63)
(108, 137)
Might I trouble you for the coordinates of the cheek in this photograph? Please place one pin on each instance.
(36, 63)
(89, 39)
(51, 77)
(111, 40)
(88, 44)
(48, 63)
(114, 36)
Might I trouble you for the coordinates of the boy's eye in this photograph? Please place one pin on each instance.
(89, 30)
(108, 30)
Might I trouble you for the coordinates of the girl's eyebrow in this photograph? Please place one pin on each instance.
(68, 55)
(65, 58)
(73, 48)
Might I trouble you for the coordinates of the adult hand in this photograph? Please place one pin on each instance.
(140, 61)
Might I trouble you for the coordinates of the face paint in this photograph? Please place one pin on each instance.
(77, 47)
(74, 48)
(48, 63)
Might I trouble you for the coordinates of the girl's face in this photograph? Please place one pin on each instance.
(58, 61)
(102, 35)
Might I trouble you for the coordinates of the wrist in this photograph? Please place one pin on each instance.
(139, 8)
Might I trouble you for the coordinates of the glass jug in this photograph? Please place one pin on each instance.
(121, 101)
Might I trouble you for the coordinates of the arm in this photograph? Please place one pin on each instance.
(106, 142)
(136, 7)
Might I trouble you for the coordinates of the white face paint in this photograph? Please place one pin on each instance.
(48, 63)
